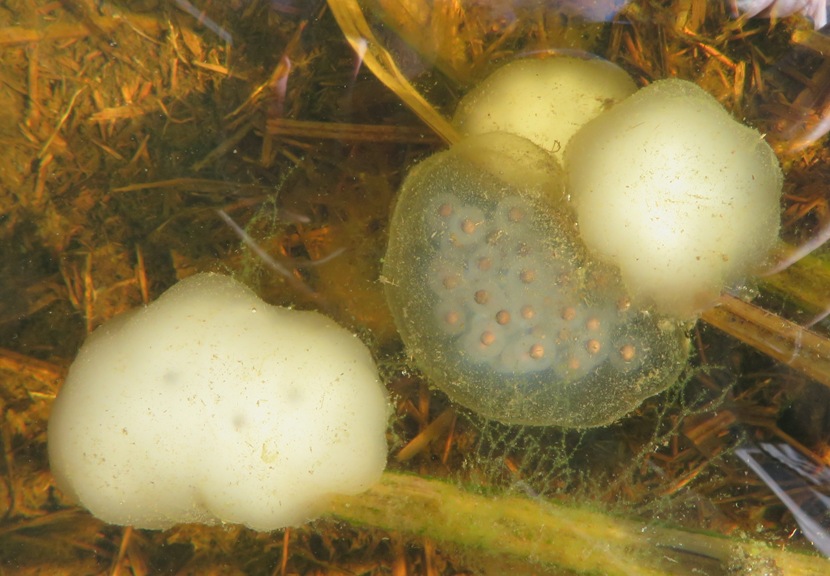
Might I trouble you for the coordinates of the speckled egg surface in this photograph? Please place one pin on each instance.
(498, 304)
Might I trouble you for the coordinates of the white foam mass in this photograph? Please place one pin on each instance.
(544, 100)
(676, 193)
(210, 405)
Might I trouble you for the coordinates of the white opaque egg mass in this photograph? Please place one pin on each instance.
(676, 193)
(544, 100)
(210, 405)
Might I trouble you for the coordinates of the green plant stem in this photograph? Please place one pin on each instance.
(805, 284)
(552, 536)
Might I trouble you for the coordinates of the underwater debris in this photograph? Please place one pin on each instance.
(789, 475)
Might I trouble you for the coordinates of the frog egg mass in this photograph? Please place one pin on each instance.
(497, 303)
(672, 190)
(210, 405)
(544, 100)
(534, 294)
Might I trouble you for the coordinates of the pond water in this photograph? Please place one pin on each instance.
(144, 142)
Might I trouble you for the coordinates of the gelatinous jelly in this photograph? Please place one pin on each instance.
(497, 303)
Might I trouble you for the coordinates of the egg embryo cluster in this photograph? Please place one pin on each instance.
(498, 303)
(511, 302)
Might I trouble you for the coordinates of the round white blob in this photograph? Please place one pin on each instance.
(545, 101)
(670, 188)
(210, 405)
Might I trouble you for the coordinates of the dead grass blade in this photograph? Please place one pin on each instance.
(777, 337)
(358, 33)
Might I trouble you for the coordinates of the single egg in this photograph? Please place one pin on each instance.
(544, 100)
(676, 193)
(498, 305)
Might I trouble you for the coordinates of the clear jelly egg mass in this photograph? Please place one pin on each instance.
(497, 303)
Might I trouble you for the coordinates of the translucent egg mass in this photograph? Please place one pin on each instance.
(498, 304)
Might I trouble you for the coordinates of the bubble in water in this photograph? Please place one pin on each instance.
(498, 304)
